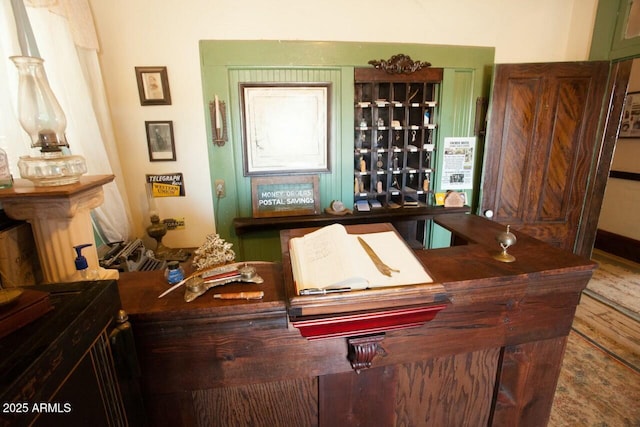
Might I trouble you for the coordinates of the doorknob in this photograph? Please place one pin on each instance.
(488, 213)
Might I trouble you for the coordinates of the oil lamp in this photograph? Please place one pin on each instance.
(42, 118)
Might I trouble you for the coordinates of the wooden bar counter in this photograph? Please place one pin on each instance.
(491, 356)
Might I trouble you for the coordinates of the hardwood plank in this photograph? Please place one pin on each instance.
(527, 306)
(171, 409)
(24, 188)
(527, 381)
(364, 399)
(455, 390)
(617, 334)
(366, 74)
(274, 404)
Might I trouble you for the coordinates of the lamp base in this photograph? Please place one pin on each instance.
(46, 172)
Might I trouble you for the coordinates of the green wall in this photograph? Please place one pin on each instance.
(608, 42)
(227, 63)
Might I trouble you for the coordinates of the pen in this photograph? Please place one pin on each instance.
(240, 295)
(318, 291)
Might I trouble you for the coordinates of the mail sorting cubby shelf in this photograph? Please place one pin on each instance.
(395, 140)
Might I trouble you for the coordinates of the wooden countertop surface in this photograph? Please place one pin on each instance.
(464, 271)
(25, 188)
(474, 261)
(139, 294)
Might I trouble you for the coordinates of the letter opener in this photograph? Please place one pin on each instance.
(381, 266)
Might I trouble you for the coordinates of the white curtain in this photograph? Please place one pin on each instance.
(67, 42)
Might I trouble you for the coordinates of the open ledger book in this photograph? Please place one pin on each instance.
(330, 258)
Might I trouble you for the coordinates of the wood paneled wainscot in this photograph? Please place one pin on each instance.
(491, 357)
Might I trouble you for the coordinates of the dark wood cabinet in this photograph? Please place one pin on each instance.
(491, 357)
(396, 142)
(59, 369)
(395, 139)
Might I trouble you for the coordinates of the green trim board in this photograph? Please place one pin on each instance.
(607, 41)
(279, 53)
(622, 47)
(226, 63)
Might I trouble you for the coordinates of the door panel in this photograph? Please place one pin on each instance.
(519, 130)
(563, 161)
(541, 145)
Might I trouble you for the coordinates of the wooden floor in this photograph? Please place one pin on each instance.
(608, 324)
(592, 377)
(613, 331)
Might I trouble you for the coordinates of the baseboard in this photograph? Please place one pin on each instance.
(618, 245)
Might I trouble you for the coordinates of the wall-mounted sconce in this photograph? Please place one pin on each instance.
(218, 112)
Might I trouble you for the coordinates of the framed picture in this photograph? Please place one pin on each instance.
(153, 85)
(630, 126)
(285, 127)
(285, 195)
(160, 141)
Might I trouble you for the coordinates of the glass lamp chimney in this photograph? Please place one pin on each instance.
(39, 112)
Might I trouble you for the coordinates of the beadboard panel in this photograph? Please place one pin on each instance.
(226, 63)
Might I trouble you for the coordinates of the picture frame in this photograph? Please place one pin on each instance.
(630, 125)
(160, 141)
(285, 127)
(153, 85)
(289, 195)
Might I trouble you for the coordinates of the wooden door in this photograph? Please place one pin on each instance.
(543, 147)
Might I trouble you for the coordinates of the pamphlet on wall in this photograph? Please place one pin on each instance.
(330, 259)
(458, 163)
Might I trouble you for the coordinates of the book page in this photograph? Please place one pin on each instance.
(321, 259)
(394, 252)
(330, 257)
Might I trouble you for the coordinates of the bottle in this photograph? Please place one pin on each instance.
(81, 264)
(173, 273)
(6, 180)
(427, 117)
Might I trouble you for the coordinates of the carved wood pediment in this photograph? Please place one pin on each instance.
(399, 64)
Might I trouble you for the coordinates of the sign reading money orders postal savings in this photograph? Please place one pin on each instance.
(285, 195)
